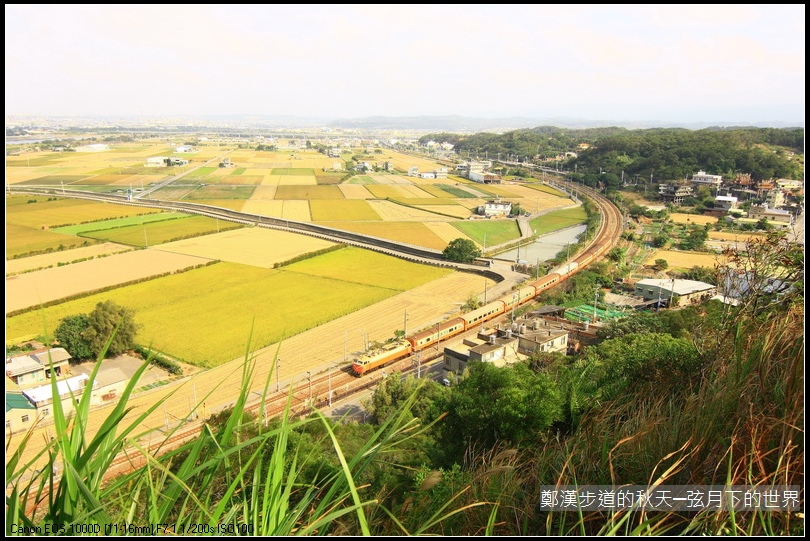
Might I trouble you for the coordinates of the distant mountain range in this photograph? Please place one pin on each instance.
(449, 123)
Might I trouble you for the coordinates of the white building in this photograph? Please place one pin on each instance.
(496, 208)
(725, 202)
(96, 147)
(156, 161)
(675, 292)
(711, 180)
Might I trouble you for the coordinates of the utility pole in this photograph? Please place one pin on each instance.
(330, 385)
(405, 327)
(309, 377)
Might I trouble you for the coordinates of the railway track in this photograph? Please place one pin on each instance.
(320, 389)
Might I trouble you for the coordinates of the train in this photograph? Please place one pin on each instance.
(419, 341)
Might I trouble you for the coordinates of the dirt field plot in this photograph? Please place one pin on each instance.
(34, 288)
(734, 237)
(256, 246)
(350, 210)
(679, 218)
(686, 260)
(389, 180)
(16, 266)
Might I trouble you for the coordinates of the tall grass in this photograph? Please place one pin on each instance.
(242, 474)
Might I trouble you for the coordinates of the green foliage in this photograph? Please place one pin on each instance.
(461, 250)
(71, 335)
(425, 398)
(472, 303)
(492, 405)
(636, 363)
(661, 264)
(110, 322)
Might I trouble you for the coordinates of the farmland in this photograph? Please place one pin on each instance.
(201, 284)
(204, 316)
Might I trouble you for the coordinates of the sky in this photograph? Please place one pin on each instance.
(729, 64)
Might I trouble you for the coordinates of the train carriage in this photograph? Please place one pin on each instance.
(519, 296)
(484, 313)
(429, 337)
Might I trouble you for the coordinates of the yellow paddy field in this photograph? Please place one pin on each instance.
(256, 246)
(686, 260)
(394, 212)
(679, 218)
(16, 266)
(46, 285)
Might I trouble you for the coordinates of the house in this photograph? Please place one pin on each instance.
(725, 202)
(537, 335)
(226, 162)
(430, 174)
(20, 413)
(33, 368)
(176, 161)
(484, 178)
(334, 152)
(184, 148)
(156, 161)
(413, 171)
(68, 390)
(781, 218)
(675, 193)
(496, 208)
(710, 180)
(487, 347)
(675, 292)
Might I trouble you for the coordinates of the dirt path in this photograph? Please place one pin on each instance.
(315, 350)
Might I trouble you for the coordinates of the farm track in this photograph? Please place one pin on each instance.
(315, 352)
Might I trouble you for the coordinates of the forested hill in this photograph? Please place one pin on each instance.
(665, 153)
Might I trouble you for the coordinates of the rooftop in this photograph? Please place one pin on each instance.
(679, 287)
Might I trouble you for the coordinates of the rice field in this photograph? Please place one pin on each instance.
(151, 234)
(698, 219)
(685, 260)
(558, 219)
(489, 232)
(393, 212)
(205, 316)
(47, 285)
(64, 257)
(413, 233)
(46, 214)
(256, 246)
(349, 210)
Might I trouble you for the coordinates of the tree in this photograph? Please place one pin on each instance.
(71, 335)
(461, 251)
(109, 319)
(494, 405)
(661, 264)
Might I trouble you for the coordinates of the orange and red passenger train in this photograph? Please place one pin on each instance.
(424, 339)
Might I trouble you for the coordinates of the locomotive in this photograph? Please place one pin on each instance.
(429, 337)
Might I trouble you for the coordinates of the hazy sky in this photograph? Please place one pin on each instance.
(680, 63)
